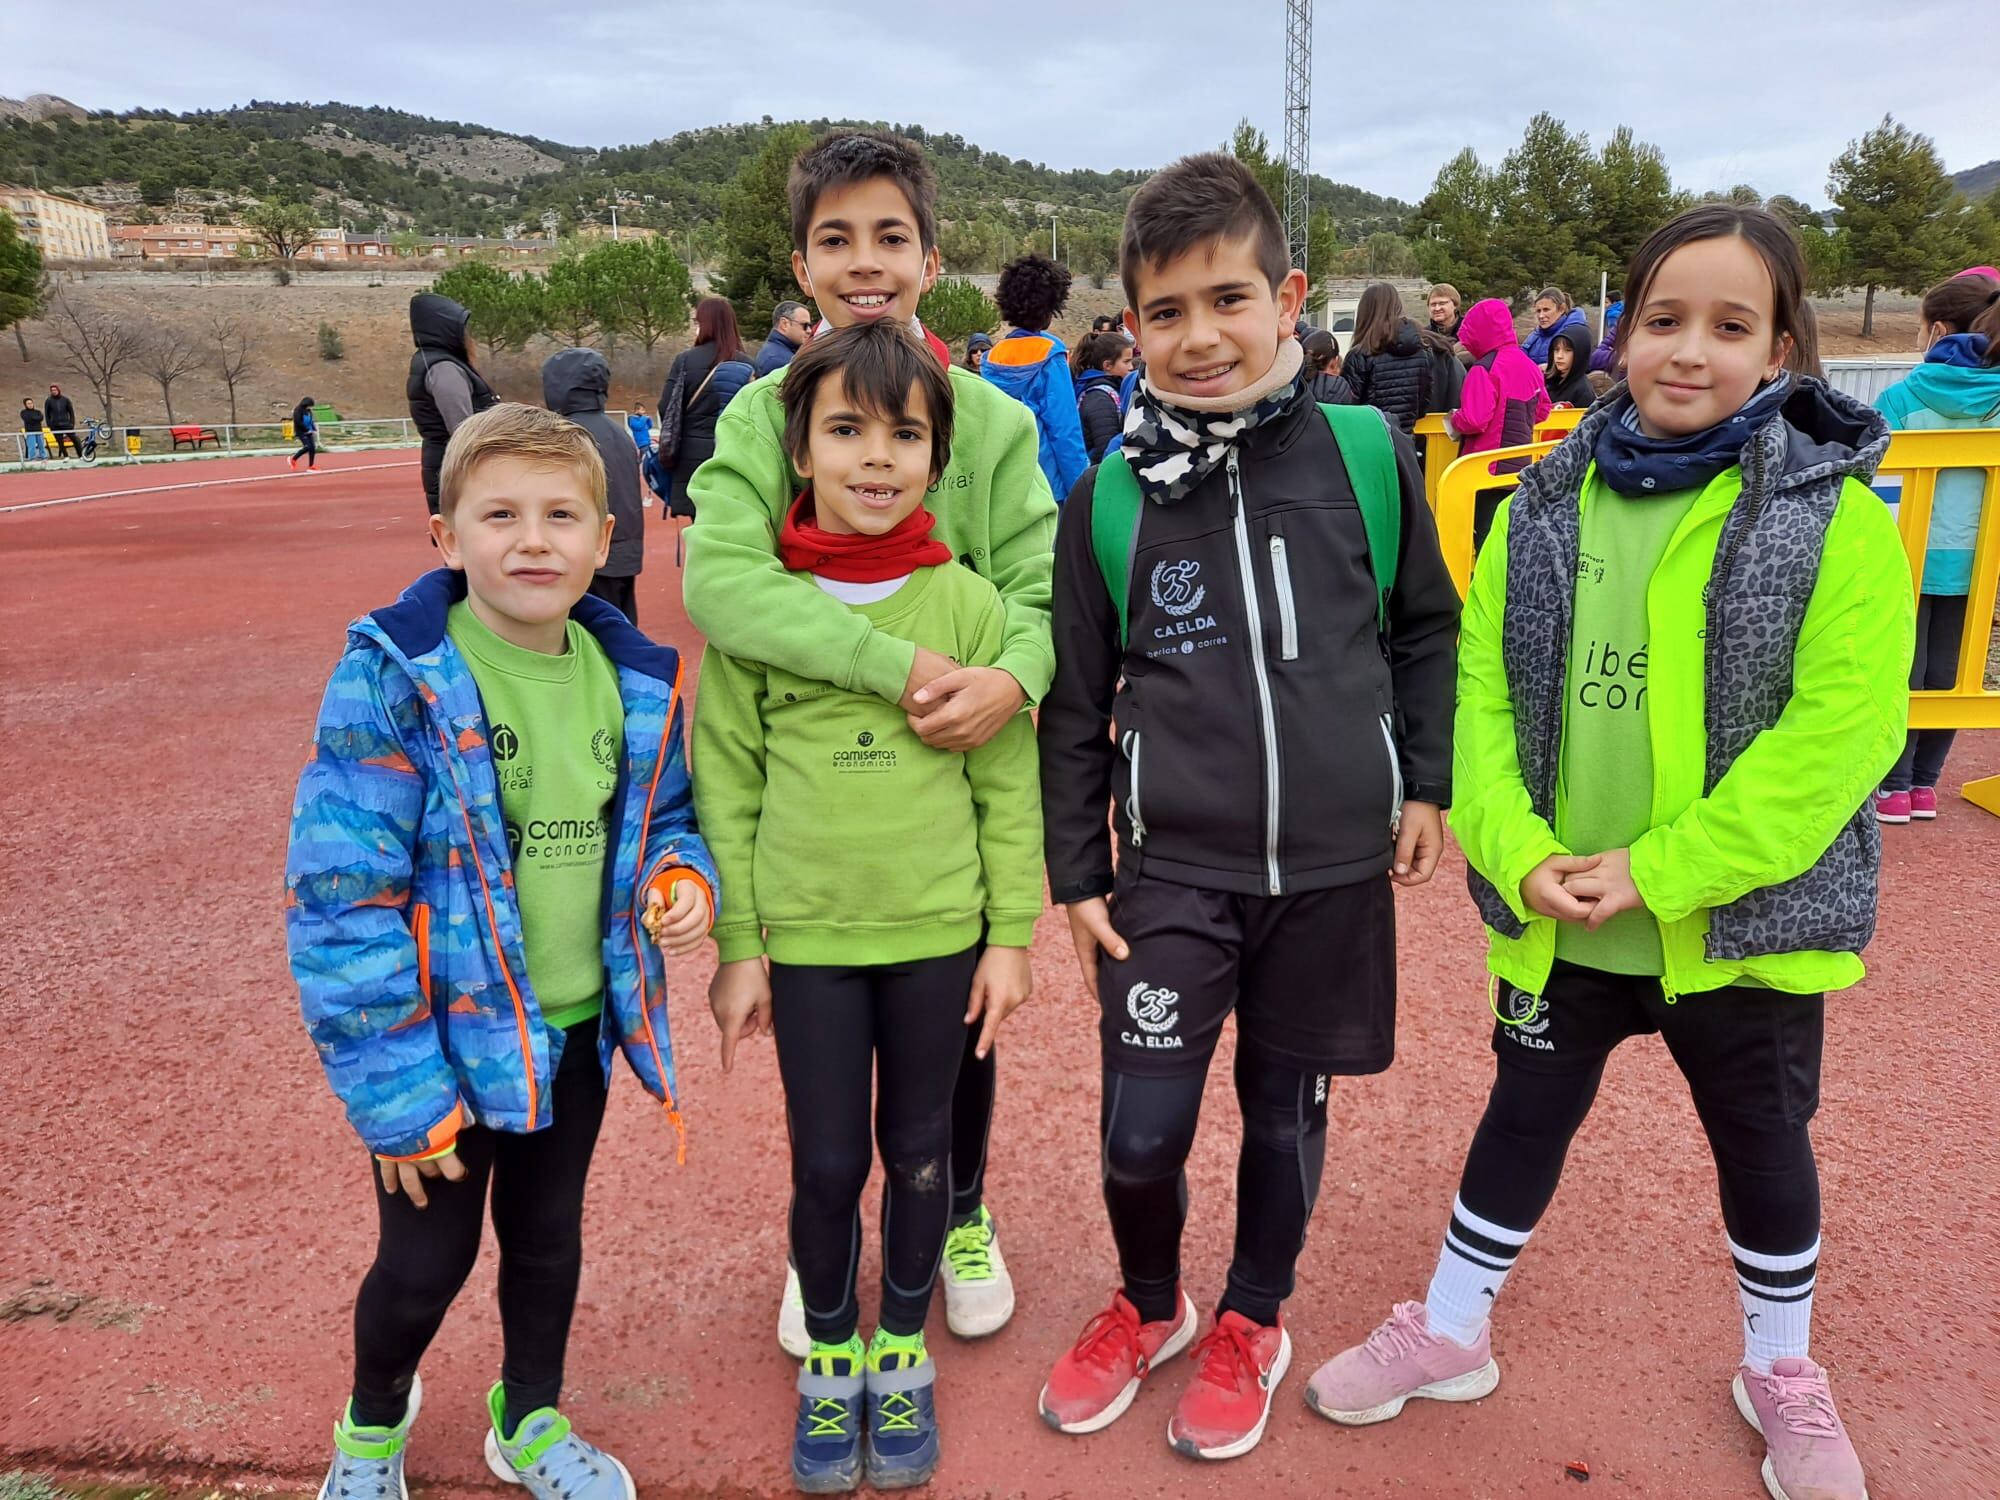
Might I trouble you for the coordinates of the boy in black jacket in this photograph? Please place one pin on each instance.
(1283, 715)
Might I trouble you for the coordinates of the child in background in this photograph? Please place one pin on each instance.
(1567, 380)
(1681, 673)
(1957, 385)
(1032, 365)
(466, 979)
(1103, 360)
(977, 347)
(1502, 400)
(894, 889)
(1324, 382)
(33, 446)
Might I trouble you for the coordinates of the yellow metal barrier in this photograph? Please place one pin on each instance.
(1915, 459)
(1441, 448)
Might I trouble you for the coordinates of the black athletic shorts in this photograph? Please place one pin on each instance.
(1311, 977)
(1745, 1050)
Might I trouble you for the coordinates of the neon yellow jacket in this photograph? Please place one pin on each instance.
(1782, 801)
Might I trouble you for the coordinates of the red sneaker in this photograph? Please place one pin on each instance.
(1093, 1384)
(1223, 1410)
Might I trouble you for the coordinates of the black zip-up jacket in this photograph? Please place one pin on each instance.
(1265, 731)
(437, 328)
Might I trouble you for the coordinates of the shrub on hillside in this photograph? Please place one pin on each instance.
(331, 345)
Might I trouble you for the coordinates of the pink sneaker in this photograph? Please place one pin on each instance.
(1401, 1359)
(1923, 803)
(1892, 807)
(1809, 1455)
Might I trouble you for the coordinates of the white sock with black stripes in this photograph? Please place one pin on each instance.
(1471, 1269)
(1777, 1293)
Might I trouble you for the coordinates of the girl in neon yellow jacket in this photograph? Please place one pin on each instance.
(1683, 669)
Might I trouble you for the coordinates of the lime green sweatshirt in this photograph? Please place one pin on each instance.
(993, 510)
(840, 836)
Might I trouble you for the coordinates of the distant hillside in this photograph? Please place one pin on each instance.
(1977, 182)
(377, 166)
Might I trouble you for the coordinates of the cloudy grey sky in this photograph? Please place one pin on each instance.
(1758, 91)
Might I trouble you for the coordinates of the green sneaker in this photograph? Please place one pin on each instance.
(902, 1416)
(368, 1461)
(548, 1459)
(978, 1292)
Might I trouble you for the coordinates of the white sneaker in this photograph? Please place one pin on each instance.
(792, 1335)
(978, 1292)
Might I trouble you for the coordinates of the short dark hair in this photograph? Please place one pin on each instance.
(1197, 201)
(1032, 290)
(878, 363)
(787, 310)
(842, 158)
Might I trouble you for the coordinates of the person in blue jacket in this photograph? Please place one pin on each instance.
(1553, 311)
(1032, 365)
(1957, 385)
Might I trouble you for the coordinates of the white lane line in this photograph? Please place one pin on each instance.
(198, 484)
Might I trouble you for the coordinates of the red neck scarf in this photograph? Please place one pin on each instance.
(805, 547)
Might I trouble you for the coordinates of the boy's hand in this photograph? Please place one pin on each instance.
(1000, 986)
(740, 997)
(966, 707)
(1546, 890)
(1090, 929)
(1419, 843)
(927, 667)
(678, 928)
(410, 1175)
(1609, 886)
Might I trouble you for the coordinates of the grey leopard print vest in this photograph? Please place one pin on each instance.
(1767, 561)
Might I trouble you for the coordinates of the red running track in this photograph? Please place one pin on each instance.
(188, 1215)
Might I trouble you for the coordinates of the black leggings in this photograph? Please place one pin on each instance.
(1940, 637)
(834, 1026)
(65, 441)
(1147, 1128)
(1751, 1059)
(308, 450)
(424, 1255)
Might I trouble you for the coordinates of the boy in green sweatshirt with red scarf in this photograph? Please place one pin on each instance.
(864, 236)
(893, 888)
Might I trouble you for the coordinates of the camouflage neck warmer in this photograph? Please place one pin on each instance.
(1175, 442)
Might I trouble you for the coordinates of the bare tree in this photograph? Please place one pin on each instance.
(166, 355)
(99, 345)
(232, 354)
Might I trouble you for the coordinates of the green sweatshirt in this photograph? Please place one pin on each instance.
(993, 510)
(840, 836)
(558, 728)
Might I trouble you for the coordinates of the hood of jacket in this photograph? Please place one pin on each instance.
(1407, 341)
(1580, 347)
(1090, 378)
(575, 380)
(1487, 326)
(1962, 393)
(438, 323)
(1016, 364)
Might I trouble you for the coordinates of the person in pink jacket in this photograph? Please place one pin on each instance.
(1503, 399)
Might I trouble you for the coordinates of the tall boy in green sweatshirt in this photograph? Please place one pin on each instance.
(893, 887)
(864, 238)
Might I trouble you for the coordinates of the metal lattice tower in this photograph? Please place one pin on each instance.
(1298, 121)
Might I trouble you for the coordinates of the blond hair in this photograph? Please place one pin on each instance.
(511, 430)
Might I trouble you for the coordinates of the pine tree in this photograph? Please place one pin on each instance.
(757, 231)
(20, 279)
(1894, 204)
(1631, 195)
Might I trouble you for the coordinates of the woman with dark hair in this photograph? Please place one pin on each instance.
(1392, 364)
(1324, 381)
(699, 385)
(306, 430)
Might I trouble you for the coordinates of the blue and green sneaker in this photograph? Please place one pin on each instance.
(902, 1418)
(368, 1461)
(548, 1459)
(826, 1444)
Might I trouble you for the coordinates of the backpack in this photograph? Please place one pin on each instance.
(1362, 434)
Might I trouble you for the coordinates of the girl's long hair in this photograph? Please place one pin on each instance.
(1377, 317)
(715, 323)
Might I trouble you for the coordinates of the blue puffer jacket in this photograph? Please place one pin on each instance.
(400, 916)
(1535, 343)
(1033, 368)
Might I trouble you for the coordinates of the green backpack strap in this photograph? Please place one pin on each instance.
(1363, 436)
(1114, 524)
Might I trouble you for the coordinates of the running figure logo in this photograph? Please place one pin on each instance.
(1175, 589)
(1153, 1009)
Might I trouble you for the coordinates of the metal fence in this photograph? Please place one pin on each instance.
(141, 444)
